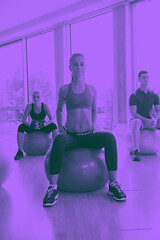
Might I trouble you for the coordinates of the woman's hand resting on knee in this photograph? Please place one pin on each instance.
(62, 130)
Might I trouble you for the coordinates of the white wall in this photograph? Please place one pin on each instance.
(15, 12)
(20, 17)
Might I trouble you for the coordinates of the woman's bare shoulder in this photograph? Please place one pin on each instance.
(64, 90)
(92, 89)
(29, 106)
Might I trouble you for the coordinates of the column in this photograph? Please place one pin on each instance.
(119, 58)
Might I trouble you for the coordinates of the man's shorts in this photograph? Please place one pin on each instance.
(132, 122)
(142, 124)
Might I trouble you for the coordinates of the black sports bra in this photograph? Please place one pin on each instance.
(78, 101)
(36, 116)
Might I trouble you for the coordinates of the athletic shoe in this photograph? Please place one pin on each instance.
(136, 154)
(116, 191)
(18, 155)
(51, 197)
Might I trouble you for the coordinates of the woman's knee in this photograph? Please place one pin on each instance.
(50, 128)
(53, 126)
(21, 128)
(109, 137)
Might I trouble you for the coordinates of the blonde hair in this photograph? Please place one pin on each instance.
(36, 91)
(75, 55)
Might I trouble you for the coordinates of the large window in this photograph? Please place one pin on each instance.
(12, 84)
(41, 71)
(94, 38)
(147, 40)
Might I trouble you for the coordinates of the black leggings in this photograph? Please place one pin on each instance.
(96, 140)
(47, 129)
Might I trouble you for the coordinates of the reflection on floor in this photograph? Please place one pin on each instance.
(88, 216)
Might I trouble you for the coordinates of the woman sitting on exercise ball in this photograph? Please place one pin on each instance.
(38, 112)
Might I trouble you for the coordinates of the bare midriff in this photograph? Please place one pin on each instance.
(79, 120)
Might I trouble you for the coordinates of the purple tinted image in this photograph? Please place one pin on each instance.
(30, 65)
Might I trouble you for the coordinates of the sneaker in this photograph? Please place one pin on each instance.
(18, 155)
(51, 197)
(136, 154)
(116, 191)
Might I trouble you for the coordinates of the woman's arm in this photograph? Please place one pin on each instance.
(94, 105)
(26, 115)
(94, 108)
(61, 101)
(48, 113)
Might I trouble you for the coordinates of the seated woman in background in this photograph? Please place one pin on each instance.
(38, 112)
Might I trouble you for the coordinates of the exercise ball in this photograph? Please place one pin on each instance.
(149, 141)
(36, 143)
(5, 167)
(82, 170)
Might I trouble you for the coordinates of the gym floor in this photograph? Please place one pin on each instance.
(86, 216)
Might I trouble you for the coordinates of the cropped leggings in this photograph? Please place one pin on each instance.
(96, 140)
(47, 129)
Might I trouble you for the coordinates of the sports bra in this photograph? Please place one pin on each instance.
(36, 116)
(78, 101)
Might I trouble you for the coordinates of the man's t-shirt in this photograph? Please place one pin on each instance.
(144, 102)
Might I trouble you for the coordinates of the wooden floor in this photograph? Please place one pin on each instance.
(87, 216)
